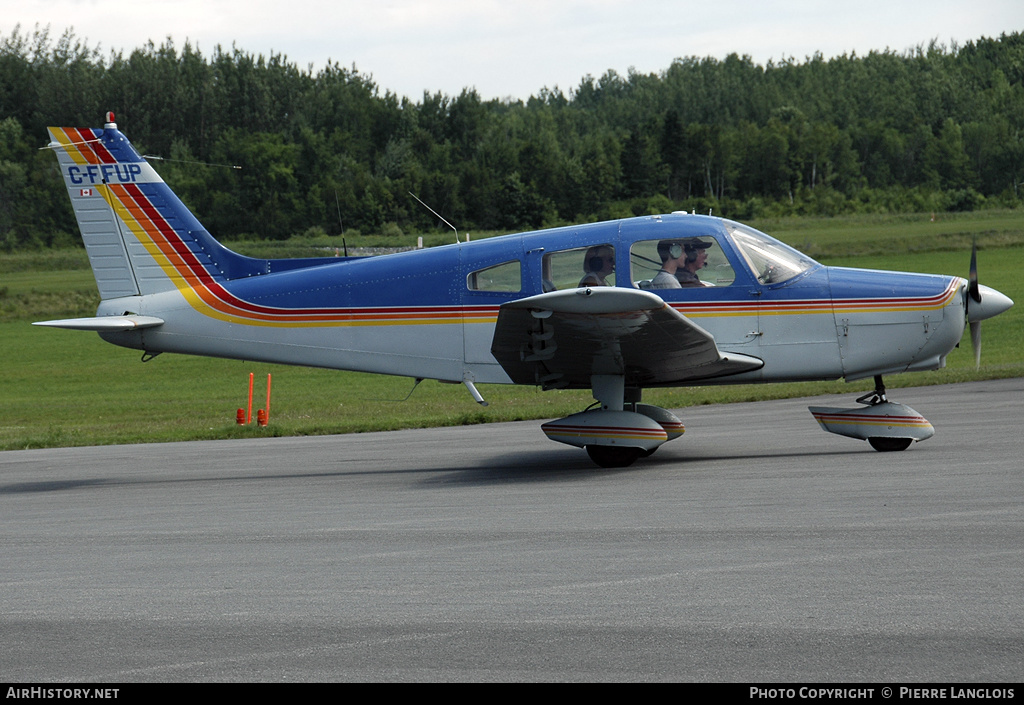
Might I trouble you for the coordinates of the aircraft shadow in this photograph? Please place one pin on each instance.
(560, 465)
(552, 465)
(49, 486)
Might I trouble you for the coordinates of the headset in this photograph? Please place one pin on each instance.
(669, 251)
(674, 250)
(595, 262)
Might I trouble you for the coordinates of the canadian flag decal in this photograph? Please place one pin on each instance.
(85, 192)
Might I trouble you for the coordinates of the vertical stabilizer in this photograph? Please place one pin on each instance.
(101, 232)
(140, 237)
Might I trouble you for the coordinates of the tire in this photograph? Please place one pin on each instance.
(889, 445)
(614, 456)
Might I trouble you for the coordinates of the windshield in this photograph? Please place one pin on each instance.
(771, 261)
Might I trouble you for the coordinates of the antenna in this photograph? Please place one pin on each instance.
(337, 205)
(153, 157)
(58, 145)
(341, 223)
(437, 214)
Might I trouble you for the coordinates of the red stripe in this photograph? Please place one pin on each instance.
(92, 149)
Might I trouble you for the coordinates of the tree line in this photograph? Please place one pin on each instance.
(327, 151)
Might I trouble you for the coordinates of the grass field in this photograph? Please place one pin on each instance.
(65, 388)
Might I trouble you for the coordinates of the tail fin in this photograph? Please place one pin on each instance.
(140, 237)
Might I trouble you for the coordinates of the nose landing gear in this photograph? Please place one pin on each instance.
(886, 425)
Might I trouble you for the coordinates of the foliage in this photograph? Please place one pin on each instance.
(933, 129)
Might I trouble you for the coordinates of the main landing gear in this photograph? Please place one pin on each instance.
(887, 426)
(620, 430)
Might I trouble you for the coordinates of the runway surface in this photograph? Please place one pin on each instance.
(757, 548)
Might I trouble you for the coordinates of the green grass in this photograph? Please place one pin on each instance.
(65, 388)
(827, 239)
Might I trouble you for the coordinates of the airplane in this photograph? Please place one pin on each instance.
(576, 307)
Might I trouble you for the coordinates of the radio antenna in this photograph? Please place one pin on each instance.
(438, 215)
(153, 157)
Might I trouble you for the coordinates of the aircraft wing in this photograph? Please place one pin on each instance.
(561, 338)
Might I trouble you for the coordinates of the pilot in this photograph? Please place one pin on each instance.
(680, 260)
(597, 265)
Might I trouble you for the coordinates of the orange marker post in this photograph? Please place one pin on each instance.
(248, 415)
(266, 417)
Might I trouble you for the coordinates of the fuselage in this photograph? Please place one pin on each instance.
(431, 313)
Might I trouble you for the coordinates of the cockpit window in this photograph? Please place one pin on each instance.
(583, 266)
(679, 263)
(502, 277)
(771, 261)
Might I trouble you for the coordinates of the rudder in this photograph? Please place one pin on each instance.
(104, 244)
(139, 236)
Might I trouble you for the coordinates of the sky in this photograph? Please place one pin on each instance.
(511, 49)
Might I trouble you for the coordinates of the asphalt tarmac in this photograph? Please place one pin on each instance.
(756, 548)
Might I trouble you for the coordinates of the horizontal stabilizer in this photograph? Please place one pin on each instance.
(104, 323)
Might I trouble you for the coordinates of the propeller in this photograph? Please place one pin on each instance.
(972, 282)
(981, 302)
(974, 291)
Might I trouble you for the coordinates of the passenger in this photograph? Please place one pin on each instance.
(598, 264)
(680, 261)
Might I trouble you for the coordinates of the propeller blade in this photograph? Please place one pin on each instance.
(974, 290)
(976, 343)
(976, 309)
(972, 281)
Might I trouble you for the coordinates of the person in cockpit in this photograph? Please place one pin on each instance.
(597, 265)
(680, 260)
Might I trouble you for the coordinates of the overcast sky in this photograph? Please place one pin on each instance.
(513, 48)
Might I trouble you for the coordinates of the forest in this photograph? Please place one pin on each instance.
(327, 152)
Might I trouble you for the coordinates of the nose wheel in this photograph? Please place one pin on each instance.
(887, 426)
(883, 444)
(889, 445)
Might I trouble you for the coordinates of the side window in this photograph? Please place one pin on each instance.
(679, 263)
(583, 266)
(507, 277)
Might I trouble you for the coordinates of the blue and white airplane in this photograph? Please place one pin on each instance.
(614, 307)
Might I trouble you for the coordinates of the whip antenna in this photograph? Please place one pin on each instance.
(438, 215)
